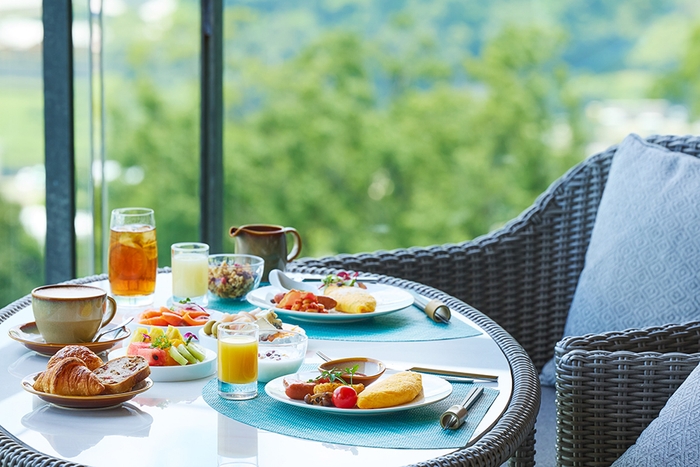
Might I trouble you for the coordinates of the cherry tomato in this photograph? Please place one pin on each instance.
(344, 397)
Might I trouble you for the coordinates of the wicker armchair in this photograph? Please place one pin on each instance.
(611, 386)
(524, 275)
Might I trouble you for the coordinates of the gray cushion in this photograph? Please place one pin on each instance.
(641, 266)
(673, 439)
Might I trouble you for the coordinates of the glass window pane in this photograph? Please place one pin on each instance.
(151, 81)
(22, 213)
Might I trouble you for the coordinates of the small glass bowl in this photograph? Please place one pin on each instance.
(281, 356)
(231, 276)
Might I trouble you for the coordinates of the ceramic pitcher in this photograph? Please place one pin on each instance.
(269, 242)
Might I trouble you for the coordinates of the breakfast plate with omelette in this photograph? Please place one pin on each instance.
(434, 389)
(386, 299)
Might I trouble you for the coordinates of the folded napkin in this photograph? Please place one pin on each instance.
(417, 428)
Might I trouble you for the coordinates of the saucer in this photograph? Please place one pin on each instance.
(28, 334)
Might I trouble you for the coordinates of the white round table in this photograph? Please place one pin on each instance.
(171, 424)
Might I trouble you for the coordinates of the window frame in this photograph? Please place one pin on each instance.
(59, 154)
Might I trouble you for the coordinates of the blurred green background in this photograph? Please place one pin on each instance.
(364, 125)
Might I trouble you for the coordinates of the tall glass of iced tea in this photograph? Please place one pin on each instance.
(133, 256)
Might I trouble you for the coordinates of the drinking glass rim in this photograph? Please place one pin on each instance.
(237, 326)
(197, 245)
(133, 211)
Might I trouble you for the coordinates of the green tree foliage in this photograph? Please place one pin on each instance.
(436, 163)
(361, 143)
(21, 268)
(681, 85)
(161, 142)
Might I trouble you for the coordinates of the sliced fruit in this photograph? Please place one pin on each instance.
(134, 347)
(172, 319)
(173, 333)
(193, 321)
(139, 335)
(154, 357)
(175, 355)
(197, 351)
(186, 353)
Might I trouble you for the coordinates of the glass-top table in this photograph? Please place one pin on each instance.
(171, 424)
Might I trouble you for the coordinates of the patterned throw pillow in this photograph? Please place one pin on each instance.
(643, 261)
(673, 439)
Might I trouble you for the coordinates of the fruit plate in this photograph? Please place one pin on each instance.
(390, 299)
(101, 401)
(178, 373)
(28, 335)
(213, 314)
(435, 389)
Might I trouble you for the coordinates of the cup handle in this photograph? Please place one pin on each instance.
(111, 311)
(296, 248)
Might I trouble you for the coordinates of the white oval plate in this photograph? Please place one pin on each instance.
(210, 342)
(389, 300)
(178, 373)
(435, 389)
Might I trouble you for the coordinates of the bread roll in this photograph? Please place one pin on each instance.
(351, 299)
(391, 391)
(123, 373)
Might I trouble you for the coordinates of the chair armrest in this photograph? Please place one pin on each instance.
(611, 386)
(523, 275)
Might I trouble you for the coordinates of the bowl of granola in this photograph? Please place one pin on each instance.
(231, 276)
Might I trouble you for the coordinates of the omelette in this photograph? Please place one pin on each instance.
(351, 299)
(391, 391)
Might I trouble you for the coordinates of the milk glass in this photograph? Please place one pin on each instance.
(190, 271)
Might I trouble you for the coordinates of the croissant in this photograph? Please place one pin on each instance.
(90, 358)
(69, 377)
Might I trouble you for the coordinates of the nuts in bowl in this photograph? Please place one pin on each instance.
(233, 276)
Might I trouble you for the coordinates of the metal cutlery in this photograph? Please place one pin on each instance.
(454, 376)
(454, 417)
(119, 328)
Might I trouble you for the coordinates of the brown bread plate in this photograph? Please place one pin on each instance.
(28, 334)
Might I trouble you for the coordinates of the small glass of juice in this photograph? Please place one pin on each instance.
(237, 360)
(190, 268)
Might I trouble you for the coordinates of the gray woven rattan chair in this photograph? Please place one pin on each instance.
(523, 276)
(611, 386)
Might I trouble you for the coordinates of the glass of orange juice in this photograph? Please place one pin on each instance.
(133, 256)
(237, 360)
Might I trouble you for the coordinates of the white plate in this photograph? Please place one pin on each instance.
(389, 300)
(180, 372)
(435, 389)
(210, 342)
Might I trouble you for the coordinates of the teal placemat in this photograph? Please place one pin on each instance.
(410, 429)
(407, 325)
